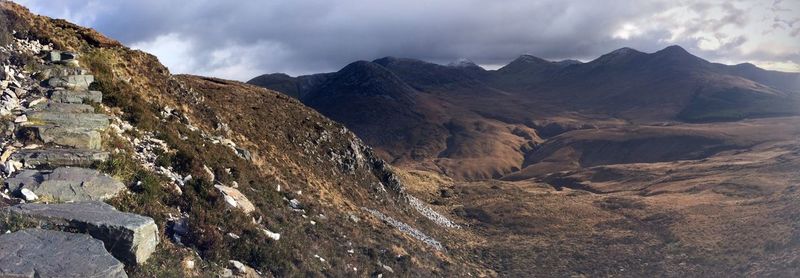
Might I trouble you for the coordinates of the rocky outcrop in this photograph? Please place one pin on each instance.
(43, 253)
(66, 184)
(129, 237)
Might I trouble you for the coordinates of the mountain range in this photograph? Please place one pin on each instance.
(472, 124)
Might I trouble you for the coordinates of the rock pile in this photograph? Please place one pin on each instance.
(52, 136)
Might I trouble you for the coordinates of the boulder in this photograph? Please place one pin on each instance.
(235, 199)
(71, 82)
(51, 158)
(43, 253)
(84, 96)
(66, 184)
(129, 237)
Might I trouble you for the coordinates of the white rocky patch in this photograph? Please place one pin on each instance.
(405, 228)
(273, 235)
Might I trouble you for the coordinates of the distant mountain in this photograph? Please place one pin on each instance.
(473, 123)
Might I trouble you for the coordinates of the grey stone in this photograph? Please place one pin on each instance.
(72, 120)
(79, 138)
(50, 71)
(60, 107)
(43, 253)
(56, 56)
(66, 184)
(71, 82)
(129, 237)
(51, 158)
(84, 96)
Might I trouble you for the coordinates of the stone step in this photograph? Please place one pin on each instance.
(66, 184)
(71, 82)
(54, 70)
(74, 120)
(42, 253)
(52, 158)
(129, 237)
(79, 96)
(56, 56)
(59, 107)
(79, 138)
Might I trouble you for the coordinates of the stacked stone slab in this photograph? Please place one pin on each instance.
(129, 237)
(70, 130)
(66, 184)
(52, 157)
(42, 253)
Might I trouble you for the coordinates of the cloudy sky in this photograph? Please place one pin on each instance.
(245, 38)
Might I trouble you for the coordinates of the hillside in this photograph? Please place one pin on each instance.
(232, 172)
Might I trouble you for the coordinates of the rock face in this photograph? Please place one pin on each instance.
(66, 184)
(43, 253)
(35, 158)
(129, 237)
(65, 96)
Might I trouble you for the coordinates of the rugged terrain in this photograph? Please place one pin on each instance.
(633, 164)
(239, 180)
(474, 124)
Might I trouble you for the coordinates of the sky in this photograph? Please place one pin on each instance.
(240, 39)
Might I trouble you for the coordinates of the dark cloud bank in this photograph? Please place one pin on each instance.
(241, 39)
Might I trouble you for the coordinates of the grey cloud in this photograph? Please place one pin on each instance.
(318, 35)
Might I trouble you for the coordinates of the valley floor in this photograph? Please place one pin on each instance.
(736, 213)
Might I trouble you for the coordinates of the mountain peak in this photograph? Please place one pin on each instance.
(624, 51)
(678, 54)
(674, 49)
(463, 63)
(528, 59)
(618, 56)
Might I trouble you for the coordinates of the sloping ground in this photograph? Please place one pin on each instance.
(322, 202)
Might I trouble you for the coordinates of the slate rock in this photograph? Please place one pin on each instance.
(66, 184)
(129, 237)
(66, 96)
(72, 120)
(79, 138)
(43, 253)
(52, 158)
(61, 107)
(54, 70)
(71, 82)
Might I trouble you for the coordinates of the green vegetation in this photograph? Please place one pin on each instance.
(117, 93)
